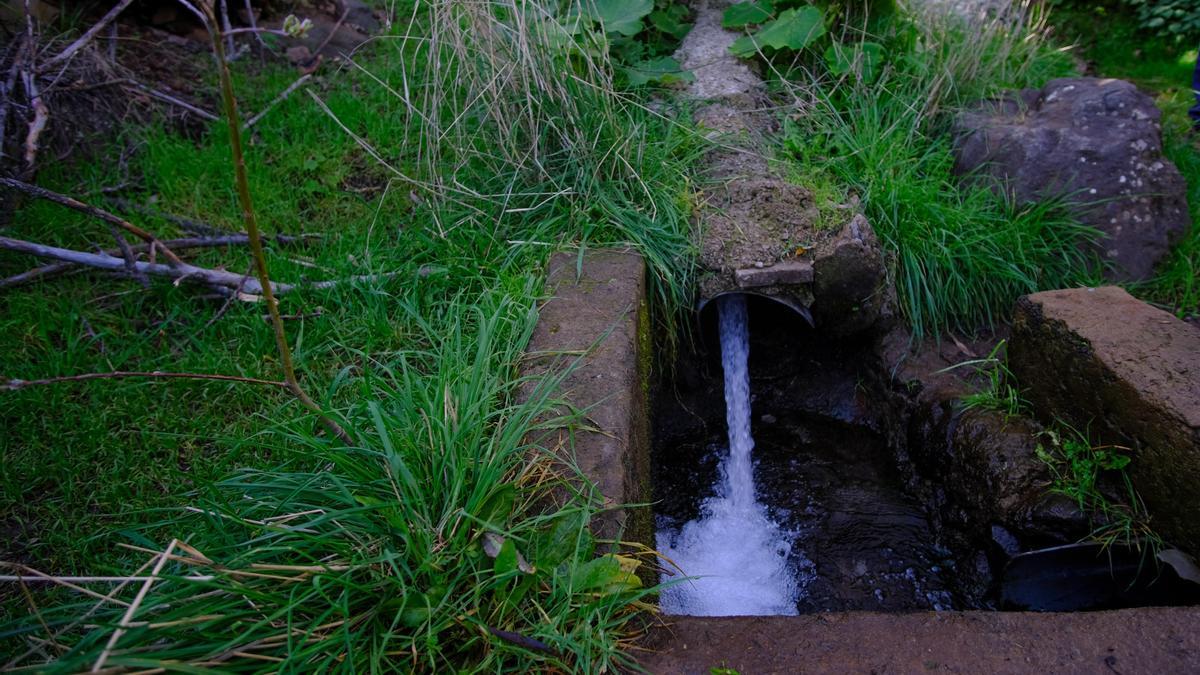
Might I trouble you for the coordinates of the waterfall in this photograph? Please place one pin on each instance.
(738, 554)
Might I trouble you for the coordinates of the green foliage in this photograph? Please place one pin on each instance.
(744, 14)
(618, 16)
(962, 253)
(461, 193)
(998, 393)
(1078, 467)
(1109, 39)
(863, 59)
(1175, 20)
(792, 29)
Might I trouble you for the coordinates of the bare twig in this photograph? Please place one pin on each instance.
(256, 247)
(332, 32)
(278, 99)
(180, 271)
(9, 87)
(55, 269)
(86, 37)
(229, 300)
(96, 212)
(187, 224)
(226, 27)
(220, 280)
(16, 384)
(129, 256)
(41, 115)
(254, 25)
(133, 607)
(171, 99)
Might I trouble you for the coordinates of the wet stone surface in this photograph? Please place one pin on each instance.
(859, 540)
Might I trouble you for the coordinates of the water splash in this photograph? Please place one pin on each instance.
(738, 553)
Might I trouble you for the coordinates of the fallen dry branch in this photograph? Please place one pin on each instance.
(278, 99)
(167, 98)
(86, 37)
(220, 280)
(133, 607)
(94, 211)
(15, 384)
(55, 269)
(180, 271)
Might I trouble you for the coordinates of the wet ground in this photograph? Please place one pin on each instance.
(859, 540)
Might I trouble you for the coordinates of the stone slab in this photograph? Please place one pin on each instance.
(1156, 640)
(785, 272)
(1130, 374)
(595, 325)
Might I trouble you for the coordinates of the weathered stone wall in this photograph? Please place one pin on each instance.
(595, 326)
(1128, 373)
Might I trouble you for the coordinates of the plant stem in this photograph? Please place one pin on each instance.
(256, 247)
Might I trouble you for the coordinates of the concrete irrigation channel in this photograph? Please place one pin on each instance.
(915, 534)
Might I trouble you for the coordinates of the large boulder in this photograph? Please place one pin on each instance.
(1098, 142)
(1130, 374)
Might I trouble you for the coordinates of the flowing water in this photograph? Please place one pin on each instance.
(738, 554)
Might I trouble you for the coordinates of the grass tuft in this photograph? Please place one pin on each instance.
(962, 253)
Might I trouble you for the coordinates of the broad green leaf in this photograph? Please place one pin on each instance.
(840, 59)
(608, 574)
(619, 16)
(568, 537)
(664, 70)
(794, 29)
(498, 505)
(506, 559)
(746, 13)
(671, 21)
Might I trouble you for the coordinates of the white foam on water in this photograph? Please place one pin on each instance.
(738, 553)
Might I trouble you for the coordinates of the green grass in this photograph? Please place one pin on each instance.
(421, 368)
(962, 254)
(1078, 467)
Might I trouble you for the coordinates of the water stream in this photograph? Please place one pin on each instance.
(739, 556)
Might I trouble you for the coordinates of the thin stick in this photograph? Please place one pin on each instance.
(86, 37)
(180, 271)
(80, 619)
(68, 582)
(41, 115)
(95, 212)
(129, 256)
(133, 607)
(278, 99)
(9, 578)
(226, 27)
(55, 269)
(254, 25)
(336, 26)
(171, 99)
(256, 247)
(15, 384)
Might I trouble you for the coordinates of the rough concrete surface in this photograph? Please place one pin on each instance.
(600, 313)
(1157, 641)
(705, 52)
(1130, 374)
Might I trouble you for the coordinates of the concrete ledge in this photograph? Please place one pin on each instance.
(599, 310)
(1130, 374)
(1130, 641)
